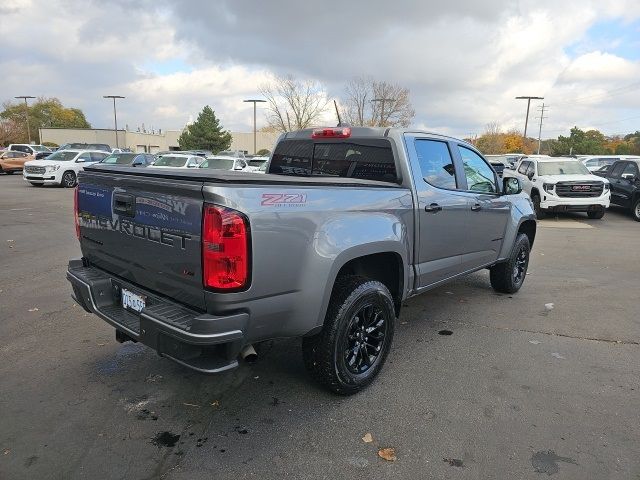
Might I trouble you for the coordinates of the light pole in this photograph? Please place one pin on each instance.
(382, 100)
(115, 117)
(26, 111)
(254, 101)
(526, 121)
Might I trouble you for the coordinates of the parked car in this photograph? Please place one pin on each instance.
(13, 161)
(130, 159)
(224, 163)
(346, 225)
(561, 185)
(60, 168)
(231, 153)
(595, 162)
(30, 149)
(178, 160)
(256, 163)
(624, 177)
(103, 147)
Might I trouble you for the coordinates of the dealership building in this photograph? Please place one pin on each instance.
(156, 141)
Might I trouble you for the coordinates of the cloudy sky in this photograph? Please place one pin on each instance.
(463, 60)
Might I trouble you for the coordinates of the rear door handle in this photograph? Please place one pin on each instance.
(433, 208)
(476, 207)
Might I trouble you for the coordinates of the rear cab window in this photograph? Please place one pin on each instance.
(362, 158)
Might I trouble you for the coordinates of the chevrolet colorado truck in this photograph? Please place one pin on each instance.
(346, 224)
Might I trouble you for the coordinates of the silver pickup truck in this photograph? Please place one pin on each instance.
(345, 225)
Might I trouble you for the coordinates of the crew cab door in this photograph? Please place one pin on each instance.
(442, 210)
(618, 185)
(490, 210)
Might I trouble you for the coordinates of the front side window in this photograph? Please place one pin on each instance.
(630, 170)
(436, 163)
(531, 169)
(617, 169)
(480, 176)
(85, 157)
(97, 157)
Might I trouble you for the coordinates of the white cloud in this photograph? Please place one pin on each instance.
(464, 61)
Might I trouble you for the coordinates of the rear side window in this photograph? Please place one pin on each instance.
(370, 159)
(436, 163)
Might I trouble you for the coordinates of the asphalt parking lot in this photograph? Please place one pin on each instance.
(517, 390)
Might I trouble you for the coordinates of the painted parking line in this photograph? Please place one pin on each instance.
(564, 223)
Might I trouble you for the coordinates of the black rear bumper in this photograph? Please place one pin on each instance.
(200, 341)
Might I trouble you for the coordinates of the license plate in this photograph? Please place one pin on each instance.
(132, 301)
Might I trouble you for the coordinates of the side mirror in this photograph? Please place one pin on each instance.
(511, 186)
(80, 160)
(530, 175)
(629, 176)
(238, 168)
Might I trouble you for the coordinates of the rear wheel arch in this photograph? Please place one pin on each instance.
(528, 227)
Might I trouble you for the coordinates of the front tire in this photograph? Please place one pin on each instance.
(37, 184)
(354, 343)
(68, 179)
(540, 212)
(9, 172)
(596, 214)
(635, 210)
(508, 277)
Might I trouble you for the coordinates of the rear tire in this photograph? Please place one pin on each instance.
(540, 212)
(596, 214)
(356, 337)
(635, 210)
(68, 179)
(508, 277)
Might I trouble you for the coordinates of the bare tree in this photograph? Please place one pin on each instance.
(371, 103)
(293, 104)
(11, 132)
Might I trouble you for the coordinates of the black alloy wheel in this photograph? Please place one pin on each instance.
(365, 338)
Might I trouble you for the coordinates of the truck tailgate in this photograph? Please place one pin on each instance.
(145, 230)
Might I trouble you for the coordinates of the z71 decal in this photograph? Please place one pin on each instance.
(283, 199)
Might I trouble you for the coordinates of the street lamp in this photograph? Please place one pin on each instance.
(26, 111)
(115, 117)
(254, 101)
(528, 99)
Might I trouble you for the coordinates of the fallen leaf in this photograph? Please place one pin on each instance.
(215, 403)
(388, 454)
(368, 438)
(101, 344)
(10, 241)
(34, 309)
(534, 342)
(548, 306)
(191, 405)
(6, 451)
(454, 462)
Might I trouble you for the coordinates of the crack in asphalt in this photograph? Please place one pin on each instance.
(551, 334)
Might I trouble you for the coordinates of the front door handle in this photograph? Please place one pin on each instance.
(433, 208)
(476, 207)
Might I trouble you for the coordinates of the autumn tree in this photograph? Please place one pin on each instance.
(293, 104)
(11, 132)
(44, 113)
(494, 141)
(368, 102)
(205, 133)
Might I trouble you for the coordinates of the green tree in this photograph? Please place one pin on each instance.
(263, 152)
(205, 133)
(579, 142)
(44, 113)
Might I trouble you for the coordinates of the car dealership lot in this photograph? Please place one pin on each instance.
(520, 388)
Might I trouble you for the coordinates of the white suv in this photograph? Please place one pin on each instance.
(60, 168)
(561, 185)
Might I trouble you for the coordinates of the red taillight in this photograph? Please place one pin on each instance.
(76, 212)
(334, 132)
(225, 248)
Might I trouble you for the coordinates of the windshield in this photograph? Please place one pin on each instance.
(119, 159)
(562, 168)
(40, 148)
(226, 153)
(62, 156)
(170, 161)
(218, 164)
